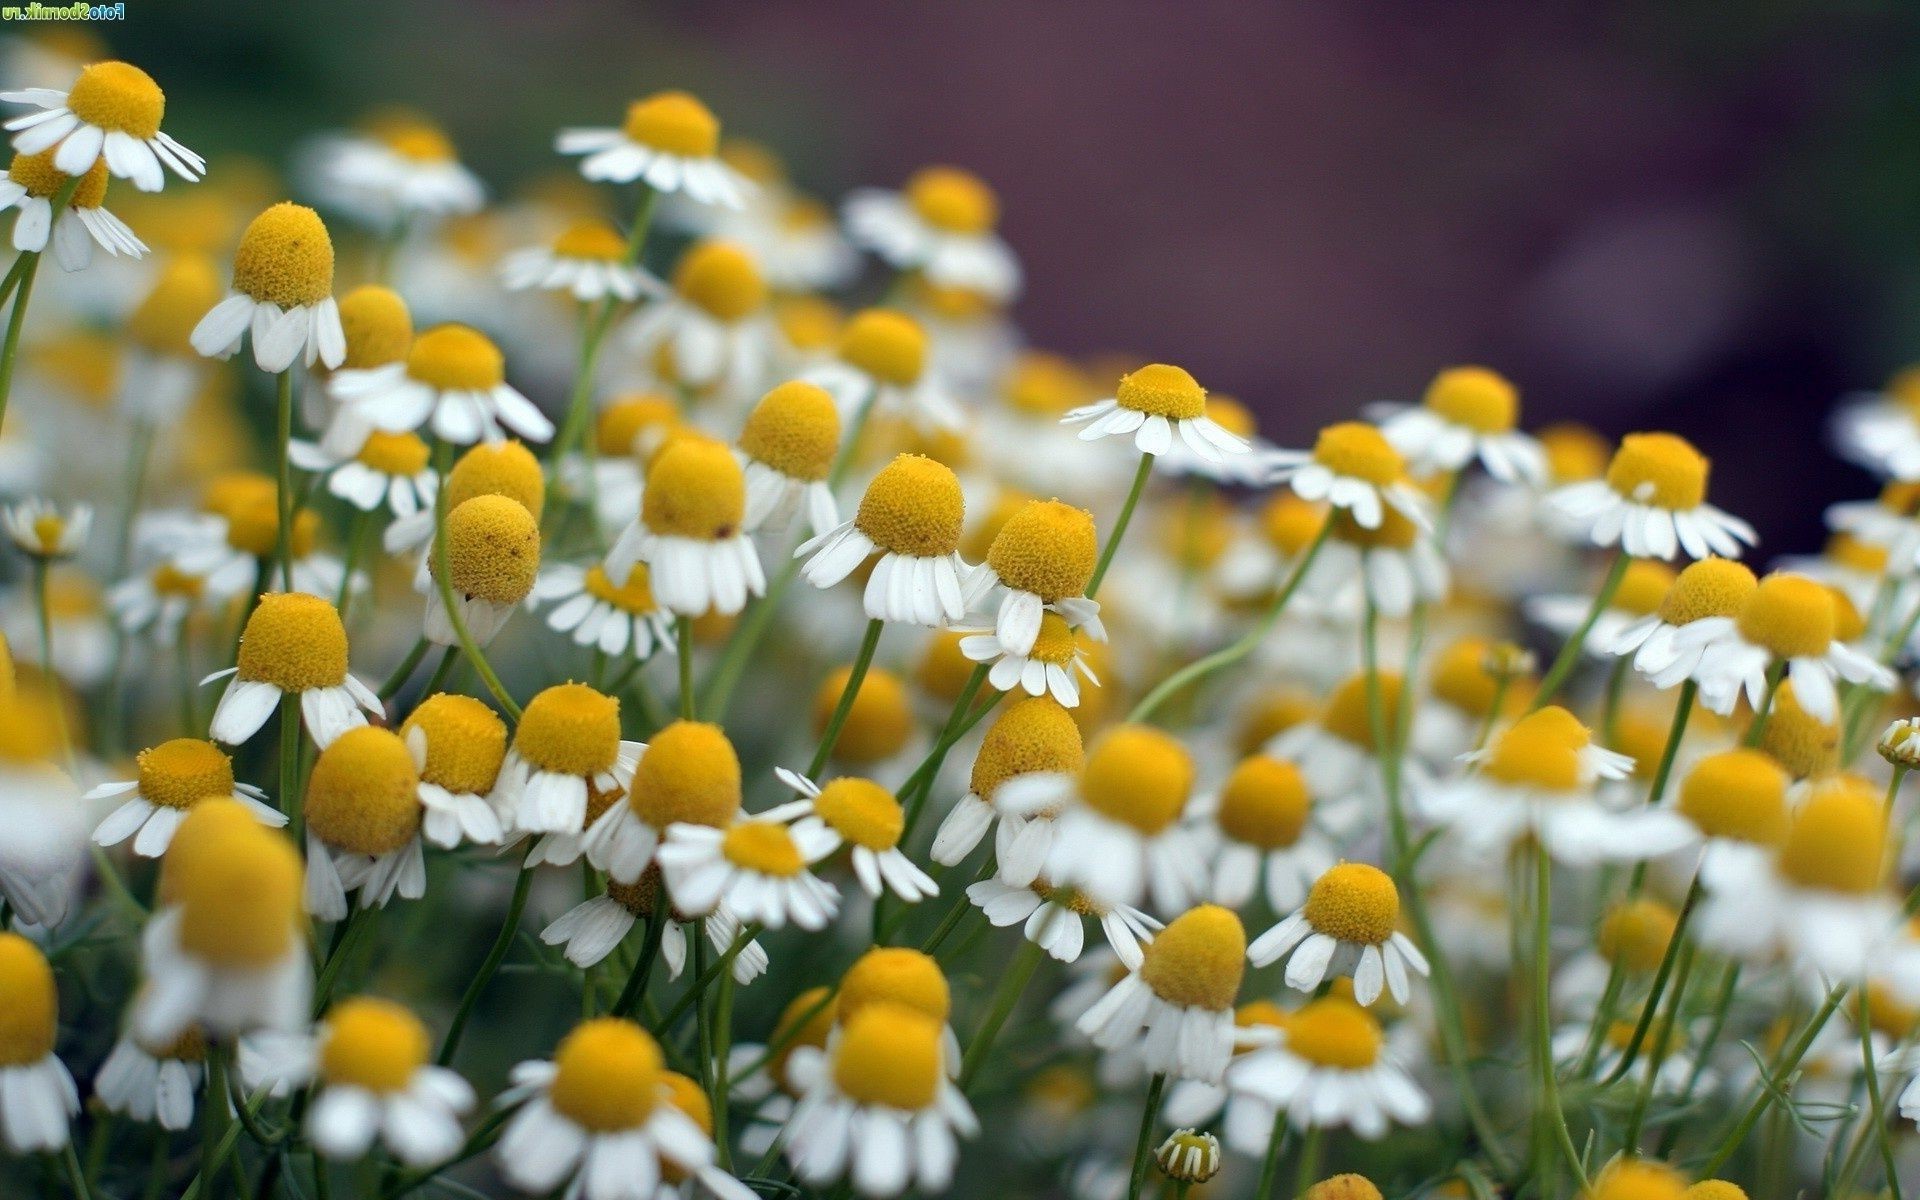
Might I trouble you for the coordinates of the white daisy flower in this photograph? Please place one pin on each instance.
(1467, 413)
(1022, 778)
(153, 1083)
(1331, 1068)
(42, 529)
(1890, 521)
(794, 239)
(30, 186)
(45, 848)
(157, 602)
(881, 364)
(37, 1096)
(369, 1062)
(593, 929)
(687, 774)
(173, 776)
(399, 168)
(1392, 566)
(941, 224)
(1346, 927)
(713, 323)
(226, 550)
(1051, 917)
(282, 295)
(1712, 588)
(112, 112)
(1046, 668)
(1652, 503)
(293, 645)
(866, 818)
(1787, 623)
(589, 261)
(1257, 830)
(1352, 466)
(1154, 404)
(389, 469)
(1044, 556)
(1337, 753)
(492, 546)
(587, 606)
(1878, 429)
(911, 516)
(669, 142)
(461, 744)
(452, 381)
(364, 817)
(691, 532)
(566, 746)
(1175, 1009)
(757, 868)
(1465, 683)
(787, 448)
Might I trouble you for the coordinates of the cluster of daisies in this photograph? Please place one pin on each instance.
(648, 688)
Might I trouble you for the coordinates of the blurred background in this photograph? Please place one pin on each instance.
(1703, 217)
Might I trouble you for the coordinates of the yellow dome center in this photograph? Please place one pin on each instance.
(674, 123)
(205, 825)
(1712, 587)
(1480, 399)
(594, 241)
(1660, 469)
(1354, 902)
(1629, 1179)
(1034, 734)
(1139, 776)
(285, 257)
(456, 358)
(862, 812)
(762, 846)
(1047, 548)
(240, 897)
(811, 324)
(570, 729)
(1349, 717)
(118, 96)
(1738, 794)
(636, 424)
(795, 429)
(1715, 1189)
(1334, 1032)
(1798, 741)
(403, 454)
(695, 489)
(1198, 959)
(419, 142)
(294, 642)
(29, 1003)
(952, 200)
(1534, 755)
(889, 1055)
(364, 793)
(1359, 451)
(1264, 803)
(806, 1021)
(913, 507)
(502, 469)
(1045, 386)
(1350, 1187)
(1394, 532)
(466, 742)
(1635, 934)
(493, 550)
(1837, 841)
(178, 773)
(1461, 677)
(721, 279)
(635, 596)
(1162, 390)
(1791, 616)
(1289, 523)
(689, 773)
(188, 286)
(254, 528)
(878, 724)
(895, 975)
(1057, 643)
(1643, 588)
(608, 1075)
(373, 1044)
(37, 174)
(168, 580)
(887, 345)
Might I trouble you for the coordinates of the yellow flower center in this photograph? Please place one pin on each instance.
(721, 279)
(373, 1044)
(1354, 902)
(1535, 752)
(378, 326)
(635, 596)
(403, 454)
(1635, 934)
(570, 729)
(294, 642)
(806, 1021)
(1047, 548)
(1349, 1187)
(254, 527)
(887, 345)
(674, 123)
(493, 549)
(862, 812)
(1660, 469)
(1349, 716)
(1139, 776)
(1461, 677)
(363, 795)
(913, 507)
(1264, 803)
(1845, 550)
(1034, 734)
(502, 469)
(795, 429)
(889, 1055)
(1289, 523)
(226, 494)
(953, 200)
(595, 241)
(1359, 451)
(204, 826)
(188, 286)
(695, 489)
(29, 1003)
(240, 897)
(418, 142)
(180, 772)
(1643, 588)
(810, 324)
(117, 95)
(1712, 587)
(1395, 532)
(1057, 643)
(1334, 1032)
(1837, 840)
(762, 846)
(641, 895)
(285, 257)
(636, 424)
(608, 1075)
(1791, 616)
(1045, 386)
(466, 742)
(168, 580)
(1715, 1189)
(1198, 959)
(689, 773)
(895, 975)
(37, 174)
(1798, 741)
(1163, 391)
(456, 358)
(1480, 399)
(879, 722)
(1630, 1179)
(1739, 794)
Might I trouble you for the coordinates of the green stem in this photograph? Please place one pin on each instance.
(593, 334)
(1786, 1065)
(358, 530)
(509, 928)
(1120, 524)
(139, 456)
(1569, 655)
(75, 1175)
(1012, 983)
(1660, 977)
(683, 632)
(1143, 1146)
(441, 670)
(1722, 1008)
(10, 350)
(1872, 1073)
(636, 985)
(1758, 730)
(921, 781)
(1270, 1165)
(1543, 1011)
(858, 674)
(1657, 1055)
(290, 768)
(283, 435)
(1309, 1165)
(404, 671)
(358, 921)
(217, 1132)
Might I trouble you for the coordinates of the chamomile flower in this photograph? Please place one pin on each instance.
(593, 611)
(44, 530)
(1653, 503)
(1878, 429)
(378, 325)
(788, 444)
(172, 777)
(486, 469)
(688, 774)
(757, 868)
(460, 745)
(1890, 521)
(566, 745)
(1632, 1179)
(805, 1023)
(399, 167)
(493, 558)
(30, 186)
(1044, 556)
(452, 381)
(1352, 466)
(1787, 623)
(1154, 404)
(1346, 927)
(1051, 918)
(162, 374)
(1391, 566)
(1189, 1156)
(1467, 413)
(591, 930)
(1045, 668)
(691, 532)
(1676, 1068)
(1332, 1067)
(863, 816)
(795, 240)
(669, 141)
(714, 322)
(389, 470)
(1712, 588)
(911, 516)
(589, 261)
(1465, 683)
(153, 1082)
(156, 602)
(293, 645)
(226, 949)
(1175, 1009)
(1031, 751)
(1338, 752)
(370, 1064)
(227, 546)
(282, 295)
(46, 826)
(941, 224)
(1643, 587)
(1258, 835)
(112, 112)
(881, 363)
(364, 815)
(1737, 798)
(880, 722)
(599, 1121)
(37, 1095)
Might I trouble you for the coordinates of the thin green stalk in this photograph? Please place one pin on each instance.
(1569, 655)
(353, 929)
(290, 768)
(1872, 1072)
(1270, 1165)
(921, 781)
(705, 976)
(359, 528)
(683, 632)
(1120, 524)
(28, 265)
(139, 457)
(1657, 1054)
(1783, 1068)
(636, 985)
(217, 1131)
(1143, 1146)
(509, 928)
(831, 734)
(404, 671)
(1758, 729)
(283, 435)
(1012, 983)
(703, 1025)
(1660, 978)
(448, 656)
(1556, 1115)
(1309, 1165)
(75, 1175)
(1722, 1008)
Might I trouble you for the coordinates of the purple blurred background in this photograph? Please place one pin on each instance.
(1692, 216)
